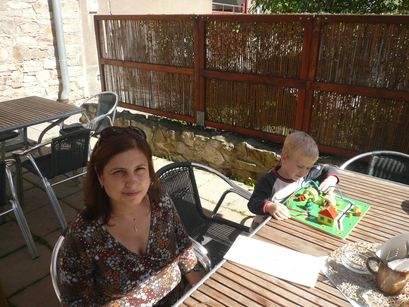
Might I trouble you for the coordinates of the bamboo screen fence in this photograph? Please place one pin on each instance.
(343, 79)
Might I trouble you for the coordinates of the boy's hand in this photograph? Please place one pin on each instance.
(278, 211)
(327, 184)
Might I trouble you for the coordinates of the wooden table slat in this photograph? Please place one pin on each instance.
(190, 302)
(218, 296)
(222, 284)
(204, 298)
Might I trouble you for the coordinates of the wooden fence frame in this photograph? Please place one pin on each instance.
(306, 83)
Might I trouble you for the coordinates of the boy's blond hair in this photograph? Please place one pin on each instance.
(300, 142)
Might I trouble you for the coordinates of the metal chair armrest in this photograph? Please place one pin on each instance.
(201, 254)
(38, 146)
(54, 266)
(372, 153)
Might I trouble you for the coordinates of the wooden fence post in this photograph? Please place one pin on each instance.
(312, 68)
(199, 65)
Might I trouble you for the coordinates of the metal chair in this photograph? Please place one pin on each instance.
(11, 204)
(68, 154)
(211, 230)
(200, 252)
(105, 115)
(390, 165)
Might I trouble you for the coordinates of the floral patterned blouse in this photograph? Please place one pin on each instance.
(95, 269)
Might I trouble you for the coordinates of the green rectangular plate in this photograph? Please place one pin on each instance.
(348, 222)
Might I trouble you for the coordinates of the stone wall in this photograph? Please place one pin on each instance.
(28, 64)
(235, 156)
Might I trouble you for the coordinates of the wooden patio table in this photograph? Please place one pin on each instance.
(231, 284)
(28, 111)
(24, 112)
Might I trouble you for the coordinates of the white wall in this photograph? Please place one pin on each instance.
(135, 7)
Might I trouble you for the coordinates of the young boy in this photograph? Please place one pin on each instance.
(298, 158)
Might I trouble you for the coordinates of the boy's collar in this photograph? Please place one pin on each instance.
(275, 171)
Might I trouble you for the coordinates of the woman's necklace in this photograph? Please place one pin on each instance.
(144, 204)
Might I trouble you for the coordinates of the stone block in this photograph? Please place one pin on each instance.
(49, 63)
(18, 5)
(188, 138)
(31, 28)
(43, 75)
(32, 66)
(26, 40)
(4, 55)
(29, 79)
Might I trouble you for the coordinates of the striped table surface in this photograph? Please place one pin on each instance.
(24, 112)
(231, 284)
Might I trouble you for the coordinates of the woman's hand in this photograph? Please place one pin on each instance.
(277, 210)
(328, 183)
(195, 275)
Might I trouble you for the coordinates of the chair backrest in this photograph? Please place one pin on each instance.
(390, 165)
(54, 266)
(106, 111)
(179, 182)
(70, 151)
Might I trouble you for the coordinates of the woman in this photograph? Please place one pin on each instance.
(128, 247)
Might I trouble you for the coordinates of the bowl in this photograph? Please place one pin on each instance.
(354, 256)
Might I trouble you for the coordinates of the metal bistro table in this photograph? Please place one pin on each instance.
(231, 284)
(28, 111)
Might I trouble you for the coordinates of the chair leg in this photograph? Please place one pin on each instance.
(22, 223)
(3, 150)
(56, 206)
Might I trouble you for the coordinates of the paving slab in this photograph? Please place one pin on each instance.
(40, 294)
(11, 237)
(75, 201)
(18, 271)
(34, 198)
(43, 220)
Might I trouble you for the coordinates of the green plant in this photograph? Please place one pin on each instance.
(169, 157)
(251, 182)
(331, 6)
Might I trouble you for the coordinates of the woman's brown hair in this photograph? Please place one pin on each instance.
(113, 141)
